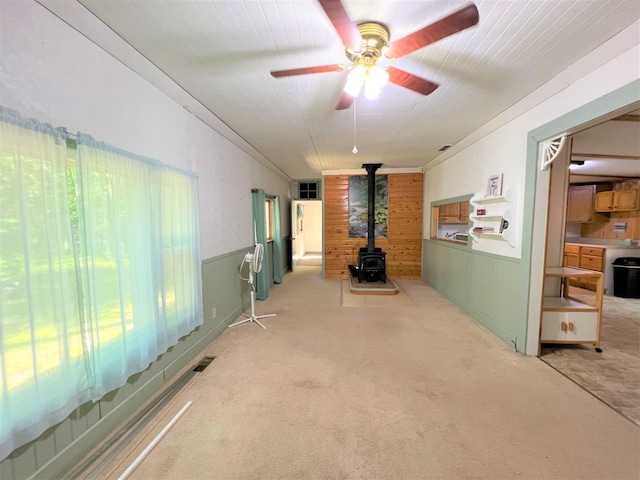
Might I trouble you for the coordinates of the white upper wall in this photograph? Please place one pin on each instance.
(500, 146)
(313, 226)
(54, 74)
(610, 138)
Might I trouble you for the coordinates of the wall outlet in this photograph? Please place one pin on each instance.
(214, 313)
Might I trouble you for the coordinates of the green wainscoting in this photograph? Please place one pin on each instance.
(490, 288)
(62, 447)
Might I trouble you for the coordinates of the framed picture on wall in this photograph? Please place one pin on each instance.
(494, 187)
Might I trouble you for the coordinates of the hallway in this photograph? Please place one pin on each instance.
(413, 389)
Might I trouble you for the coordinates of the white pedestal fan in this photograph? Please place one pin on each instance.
(255, 265)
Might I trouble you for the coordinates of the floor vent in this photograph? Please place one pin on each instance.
(204, 363)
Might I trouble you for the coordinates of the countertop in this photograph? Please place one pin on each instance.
(598, 243)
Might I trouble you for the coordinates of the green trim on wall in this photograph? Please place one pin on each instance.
(235, 253)
(572, 121)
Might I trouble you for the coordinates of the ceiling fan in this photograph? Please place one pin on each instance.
(366, 43)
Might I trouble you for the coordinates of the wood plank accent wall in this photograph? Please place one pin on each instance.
(403, 244)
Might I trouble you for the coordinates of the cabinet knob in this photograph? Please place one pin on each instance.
(570, 326)
(563, 326)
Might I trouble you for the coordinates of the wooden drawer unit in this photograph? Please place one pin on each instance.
(587, 258)
(572, 249)
(571, 256)
(572, 260)
(589, 262)
(593, 251)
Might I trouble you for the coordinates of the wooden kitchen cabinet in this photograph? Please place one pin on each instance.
(617, 201)
(449, 213)
(464, 212)
(571, 256)
(580, 203)
(444, 219)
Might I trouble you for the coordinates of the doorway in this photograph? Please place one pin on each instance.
(604, 157)
(306, 233)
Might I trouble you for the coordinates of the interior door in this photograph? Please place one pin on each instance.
(297, 239)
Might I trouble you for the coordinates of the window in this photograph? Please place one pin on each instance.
(99, 271)
(449, 221)
(268, 218)
(308, 190)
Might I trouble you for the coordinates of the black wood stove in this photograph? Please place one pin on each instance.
(371, 265)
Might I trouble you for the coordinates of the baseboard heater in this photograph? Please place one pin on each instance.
(112, 447)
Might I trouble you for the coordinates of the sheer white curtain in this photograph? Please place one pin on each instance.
(116, 243)
(41, 362)
(138, 224)
(99, 271)
(177, 255)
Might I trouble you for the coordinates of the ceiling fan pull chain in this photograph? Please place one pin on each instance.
(355, 149)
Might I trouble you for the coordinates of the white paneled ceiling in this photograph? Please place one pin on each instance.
(221, 53)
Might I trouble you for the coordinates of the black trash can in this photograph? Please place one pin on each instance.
(626, 277)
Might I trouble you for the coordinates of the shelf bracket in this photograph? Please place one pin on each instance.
(551, 149)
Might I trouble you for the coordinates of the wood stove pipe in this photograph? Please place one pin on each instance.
(371, 191)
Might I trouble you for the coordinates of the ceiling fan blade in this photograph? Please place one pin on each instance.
(306, 70)
(347, 30)
(410, 81)
(345, 101)
(457, 21)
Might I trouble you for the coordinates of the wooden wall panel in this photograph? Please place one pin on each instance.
(403, 244)
(461, 274)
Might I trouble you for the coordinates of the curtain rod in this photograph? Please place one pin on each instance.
(267, 195)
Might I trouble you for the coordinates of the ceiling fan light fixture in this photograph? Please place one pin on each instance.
(355, 80)
(376, 79)
(367, 42)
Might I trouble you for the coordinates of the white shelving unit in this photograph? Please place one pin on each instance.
(499, 215)
(566, 319)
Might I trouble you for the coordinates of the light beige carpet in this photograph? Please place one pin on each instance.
(310, 260)
(404, 392)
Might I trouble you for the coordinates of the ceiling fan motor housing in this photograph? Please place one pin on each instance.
(375, 39)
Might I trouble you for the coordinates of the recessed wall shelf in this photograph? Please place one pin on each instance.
(498, 221)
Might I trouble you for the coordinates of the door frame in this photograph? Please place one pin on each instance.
(295, 237)
(537, 242)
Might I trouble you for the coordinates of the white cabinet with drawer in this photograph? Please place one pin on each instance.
(569, 320)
